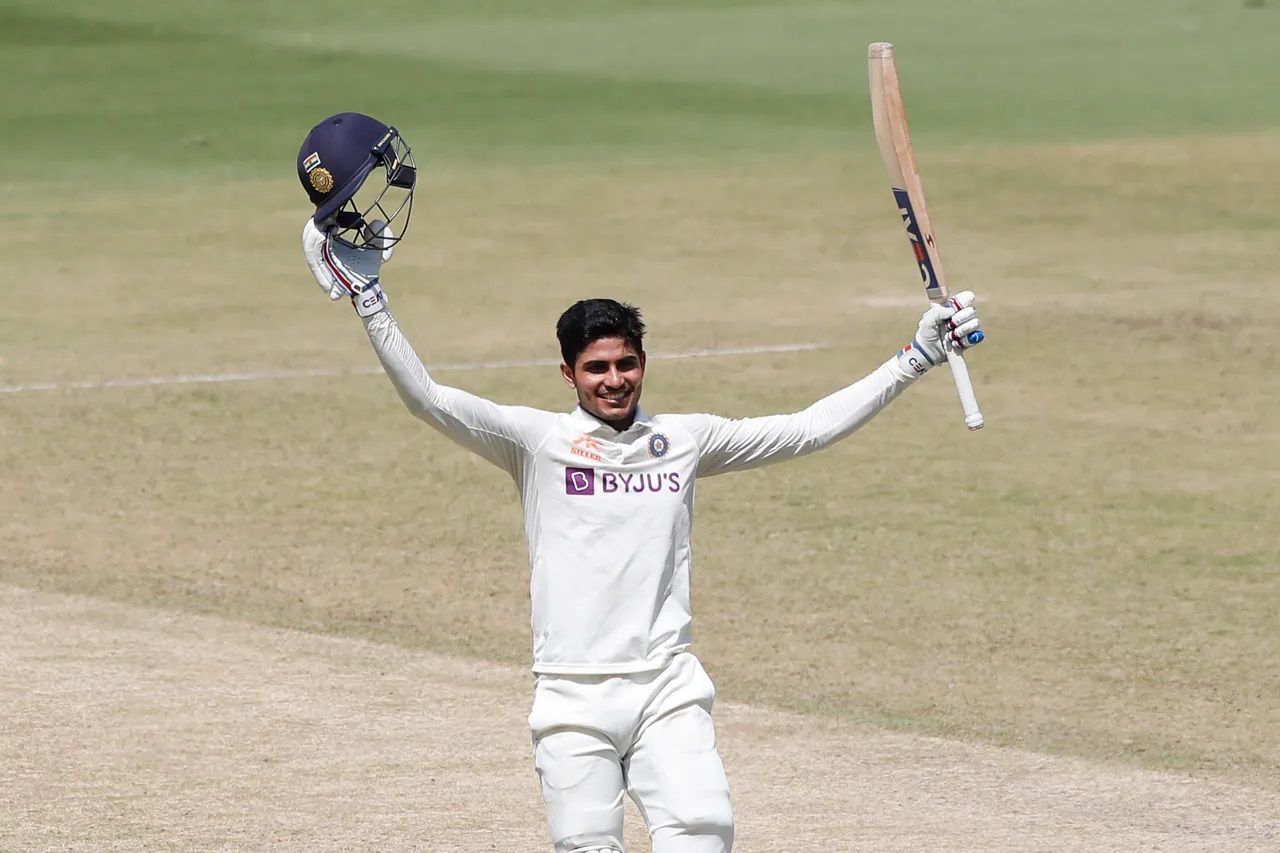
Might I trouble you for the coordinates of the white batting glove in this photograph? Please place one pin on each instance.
(344, 270)
(953, 325)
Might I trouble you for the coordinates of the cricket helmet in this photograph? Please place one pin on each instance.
(335, 163)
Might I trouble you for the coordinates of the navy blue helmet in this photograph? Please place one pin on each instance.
(334, 166)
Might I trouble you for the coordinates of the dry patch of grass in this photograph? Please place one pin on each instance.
(136, 729)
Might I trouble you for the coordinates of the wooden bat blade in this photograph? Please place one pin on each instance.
(894, 138)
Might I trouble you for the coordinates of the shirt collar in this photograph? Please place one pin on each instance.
(590, 423)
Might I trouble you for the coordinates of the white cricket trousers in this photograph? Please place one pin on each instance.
(648, 734)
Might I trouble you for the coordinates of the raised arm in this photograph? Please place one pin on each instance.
(737, 444)
(500, 434)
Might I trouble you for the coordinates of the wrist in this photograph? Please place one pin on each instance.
(914, 360)
(371, 300)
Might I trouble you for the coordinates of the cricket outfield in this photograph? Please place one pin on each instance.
(279, 612)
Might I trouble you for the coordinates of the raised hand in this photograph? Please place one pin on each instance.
(341, 269)
(953, 324)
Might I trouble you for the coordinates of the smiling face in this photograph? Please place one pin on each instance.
(608, 375)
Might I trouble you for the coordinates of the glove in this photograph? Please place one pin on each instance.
(345, 270)
(953, 325)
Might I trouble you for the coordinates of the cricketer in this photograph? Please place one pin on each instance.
(620, 703)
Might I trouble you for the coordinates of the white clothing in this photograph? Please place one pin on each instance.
(608, 515)
(649, 734)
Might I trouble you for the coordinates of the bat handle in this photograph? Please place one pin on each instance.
(964, 387)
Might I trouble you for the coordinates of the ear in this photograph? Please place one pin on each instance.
(644, 360)
(566, 372)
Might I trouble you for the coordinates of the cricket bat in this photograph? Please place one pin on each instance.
(890, 119)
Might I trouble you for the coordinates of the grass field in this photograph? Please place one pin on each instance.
(1092, 577)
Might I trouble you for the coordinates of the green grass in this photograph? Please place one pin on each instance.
(1092, 574)
(104, 93)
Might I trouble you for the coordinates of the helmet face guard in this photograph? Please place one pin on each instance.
(389, 200)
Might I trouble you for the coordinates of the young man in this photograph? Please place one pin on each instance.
(620, 704)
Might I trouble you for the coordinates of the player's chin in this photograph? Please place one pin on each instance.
(616, 408)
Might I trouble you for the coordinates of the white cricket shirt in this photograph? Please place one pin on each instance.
(608, 515)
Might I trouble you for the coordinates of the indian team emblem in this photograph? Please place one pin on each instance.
(658, 445)
(321, 179)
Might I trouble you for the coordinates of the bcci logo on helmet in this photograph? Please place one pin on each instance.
(321, 180)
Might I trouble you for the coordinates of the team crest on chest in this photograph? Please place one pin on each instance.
(658, 445)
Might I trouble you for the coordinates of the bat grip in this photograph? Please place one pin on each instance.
(964, 387)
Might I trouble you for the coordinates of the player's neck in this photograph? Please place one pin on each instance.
(621, 424)
(618, 424)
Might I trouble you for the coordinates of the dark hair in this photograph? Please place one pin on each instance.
(590, 320)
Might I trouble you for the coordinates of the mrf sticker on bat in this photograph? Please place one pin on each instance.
(923, 260)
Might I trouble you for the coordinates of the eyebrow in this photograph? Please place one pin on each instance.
(602, 362)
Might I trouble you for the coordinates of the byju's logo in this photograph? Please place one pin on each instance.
(582, 481)
(638, 484)
(579, 481)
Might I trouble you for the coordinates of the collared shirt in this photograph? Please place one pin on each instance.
(608, 515)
